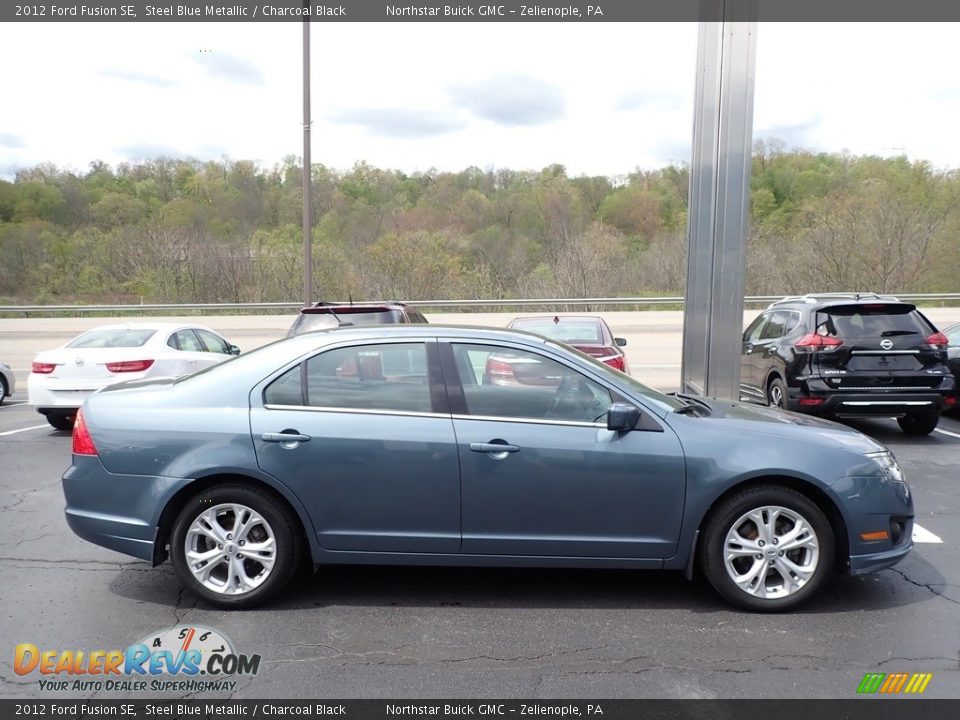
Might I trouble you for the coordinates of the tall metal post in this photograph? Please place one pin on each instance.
(719, 199)
(307, 184)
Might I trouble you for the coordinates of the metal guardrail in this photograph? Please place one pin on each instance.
(953, 298)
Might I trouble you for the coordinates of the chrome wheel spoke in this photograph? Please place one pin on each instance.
(771, 552)
(220, 554)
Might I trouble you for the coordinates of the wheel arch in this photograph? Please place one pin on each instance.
(813, 493)
(175, 504)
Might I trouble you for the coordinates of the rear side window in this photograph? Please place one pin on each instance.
(878, 320)
(365, 377)
(115, 338)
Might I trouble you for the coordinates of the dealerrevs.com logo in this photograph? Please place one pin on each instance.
(185, 657)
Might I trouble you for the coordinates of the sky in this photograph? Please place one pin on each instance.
(599, 98)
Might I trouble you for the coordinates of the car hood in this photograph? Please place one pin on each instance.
(785, 425)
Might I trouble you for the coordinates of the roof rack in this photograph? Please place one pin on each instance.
(812, 298)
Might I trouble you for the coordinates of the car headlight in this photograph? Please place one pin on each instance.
(890, 467)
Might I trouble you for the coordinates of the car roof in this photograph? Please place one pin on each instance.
(561, 318)
(145, 326)
(812, 300)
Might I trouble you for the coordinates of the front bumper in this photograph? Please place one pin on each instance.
(119, 512)
(871, 505)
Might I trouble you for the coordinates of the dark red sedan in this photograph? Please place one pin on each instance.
(587, 333)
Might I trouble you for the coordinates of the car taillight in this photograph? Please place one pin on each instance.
(129, 366)
(813, 342)
(938, 341)
(42, 368)
(950, 400)
(500, 371)
(82, 442)
(615, 362)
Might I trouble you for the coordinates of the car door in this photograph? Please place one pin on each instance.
(371, 449)
(542, 476)
(749, 385)
(766, 349)
(190, 355)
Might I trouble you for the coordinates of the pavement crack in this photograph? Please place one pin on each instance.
(928, 586)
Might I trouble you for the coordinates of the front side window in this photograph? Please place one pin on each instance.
(510, 383)
(214, 343)
(363, 377)
(752, 333)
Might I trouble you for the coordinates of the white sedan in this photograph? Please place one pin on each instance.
(60, 380)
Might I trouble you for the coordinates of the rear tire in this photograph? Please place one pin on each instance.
(3, 390)
(249, 568)
(62, 422)
(741, 553)
(918, 424)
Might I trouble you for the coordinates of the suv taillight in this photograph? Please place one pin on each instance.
(938, 341)
(813, 342)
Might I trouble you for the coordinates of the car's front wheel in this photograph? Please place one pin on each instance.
(235, 546)
(767, 548)
(918, 424)
(777, 394)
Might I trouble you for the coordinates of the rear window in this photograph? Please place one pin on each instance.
(567, 331)
(323, 320)
(113, 338)
(871, 321)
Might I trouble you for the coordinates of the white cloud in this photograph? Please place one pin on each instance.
(600, 98)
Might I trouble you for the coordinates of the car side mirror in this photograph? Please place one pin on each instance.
(621, 342)
(622, 417)
(233, 349)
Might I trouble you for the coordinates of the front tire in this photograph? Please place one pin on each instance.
(235, 546)
(777, 394)
(767, 548)
(918, 424)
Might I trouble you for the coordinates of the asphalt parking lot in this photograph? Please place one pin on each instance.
(441, 633)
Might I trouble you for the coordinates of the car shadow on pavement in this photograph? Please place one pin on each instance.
(912, 582)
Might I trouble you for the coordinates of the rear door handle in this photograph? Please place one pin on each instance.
(494, 448)
(284, 437)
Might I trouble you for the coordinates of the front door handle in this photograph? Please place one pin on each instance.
(284, 437)
(494, 447)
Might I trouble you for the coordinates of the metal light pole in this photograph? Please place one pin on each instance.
(307, 199)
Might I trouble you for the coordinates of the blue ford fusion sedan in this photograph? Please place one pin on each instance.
(466, 446)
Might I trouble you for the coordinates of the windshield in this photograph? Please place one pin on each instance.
(667, 403)
(568, 331)
(112, 338)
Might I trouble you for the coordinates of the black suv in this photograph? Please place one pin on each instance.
(324, 315)
(845, 355)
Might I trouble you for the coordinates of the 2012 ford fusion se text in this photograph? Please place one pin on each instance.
(395, 445)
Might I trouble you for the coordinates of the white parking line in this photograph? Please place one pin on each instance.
(10, 405)
(922, 535)
(32, 427)
(947, 432)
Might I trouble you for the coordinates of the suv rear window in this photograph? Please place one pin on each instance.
(322, 320)
(873, 320)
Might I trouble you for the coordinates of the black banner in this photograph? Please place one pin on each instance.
(472, 11)
(786, 709)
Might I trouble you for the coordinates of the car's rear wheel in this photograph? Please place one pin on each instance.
(767, 548)
(61, 422)
(918, 424)
(3, 390)
(235, 546)
(777, 393)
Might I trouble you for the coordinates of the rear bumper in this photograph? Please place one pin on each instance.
(119, 512)
(47, 399)
(874, 404)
